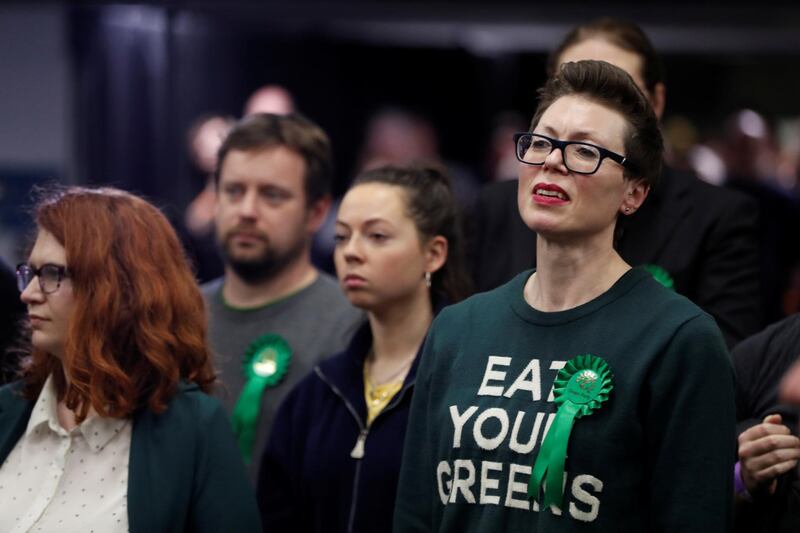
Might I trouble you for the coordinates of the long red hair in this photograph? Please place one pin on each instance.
(138, 325)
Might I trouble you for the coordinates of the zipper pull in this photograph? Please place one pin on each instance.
(358, 449)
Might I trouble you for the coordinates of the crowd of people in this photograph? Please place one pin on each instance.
(584, 349)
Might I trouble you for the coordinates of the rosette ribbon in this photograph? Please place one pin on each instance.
(661, 276)
(580, 389)
(265, 363)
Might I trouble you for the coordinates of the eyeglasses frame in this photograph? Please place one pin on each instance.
(61, 272)
(562, 145)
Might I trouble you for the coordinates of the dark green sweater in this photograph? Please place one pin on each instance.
(185, 472)
(658, 455)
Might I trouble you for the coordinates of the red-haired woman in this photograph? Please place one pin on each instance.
(111, 428)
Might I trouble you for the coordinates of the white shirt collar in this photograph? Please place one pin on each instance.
(98, 431)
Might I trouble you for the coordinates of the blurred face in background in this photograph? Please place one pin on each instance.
(49, 313)
(601, 49)
(380, 258)
(205, 140)
(262, 218)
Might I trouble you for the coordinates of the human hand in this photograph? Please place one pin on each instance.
(766, 451)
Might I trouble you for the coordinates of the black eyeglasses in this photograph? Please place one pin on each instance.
(50, 276)
(579, 157)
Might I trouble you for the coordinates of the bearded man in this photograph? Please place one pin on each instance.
(273, 315)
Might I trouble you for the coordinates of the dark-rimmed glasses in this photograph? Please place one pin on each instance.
(579, 157)
(50, 276)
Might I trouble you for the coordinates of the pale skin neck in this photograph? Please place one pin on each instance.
(569, 274)
(398, 331)
(66, 416)
(296, 276)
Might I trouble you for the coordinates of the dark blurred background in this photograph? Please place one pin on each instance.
(106, 93)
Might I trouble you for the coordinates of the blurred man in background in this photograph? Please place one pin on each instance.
(272, 316)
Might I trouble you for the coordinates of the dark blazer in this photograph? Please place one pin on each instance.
(185, 471)
(760, 362)
(704, 236)
(309, 480)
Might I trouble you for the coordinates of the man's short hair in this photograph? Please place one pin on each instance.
(263, 130)
(621, 33)
(613, 88)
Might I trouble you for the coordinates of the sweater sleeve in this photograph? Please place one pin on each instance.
(690, 430)
(222, 498)
(415, 492)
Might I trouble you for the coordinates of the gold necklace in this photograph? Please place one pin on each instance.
(375, 397)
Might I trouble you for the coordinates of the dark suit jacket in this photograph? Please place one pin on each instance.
(760, 362)
(704, 236)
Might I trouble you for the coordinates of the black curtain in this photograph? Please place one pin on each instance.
(142, 75)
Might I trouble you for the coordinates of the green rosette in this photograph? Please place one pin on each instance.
(661, 276)
(265, 364)
(580, 388)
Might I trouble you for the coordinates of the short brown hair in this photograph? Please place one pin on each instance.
(621, 33)
(613, 88)
(138, 326)
(295, 132)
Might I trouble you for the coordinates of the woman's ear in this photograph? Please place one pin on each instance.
(635, 193)
(435, 253)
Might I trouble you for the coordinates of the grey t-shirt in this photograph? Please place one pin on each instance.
(316, 322)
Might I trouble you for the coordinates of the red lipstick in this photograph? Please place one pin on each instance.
(549, 194)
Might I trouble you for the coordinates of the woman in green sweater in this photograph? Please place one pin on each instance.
(583, 396)
(110, 428)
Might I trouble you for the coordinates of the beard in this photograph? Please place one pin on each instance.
(263, 266)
